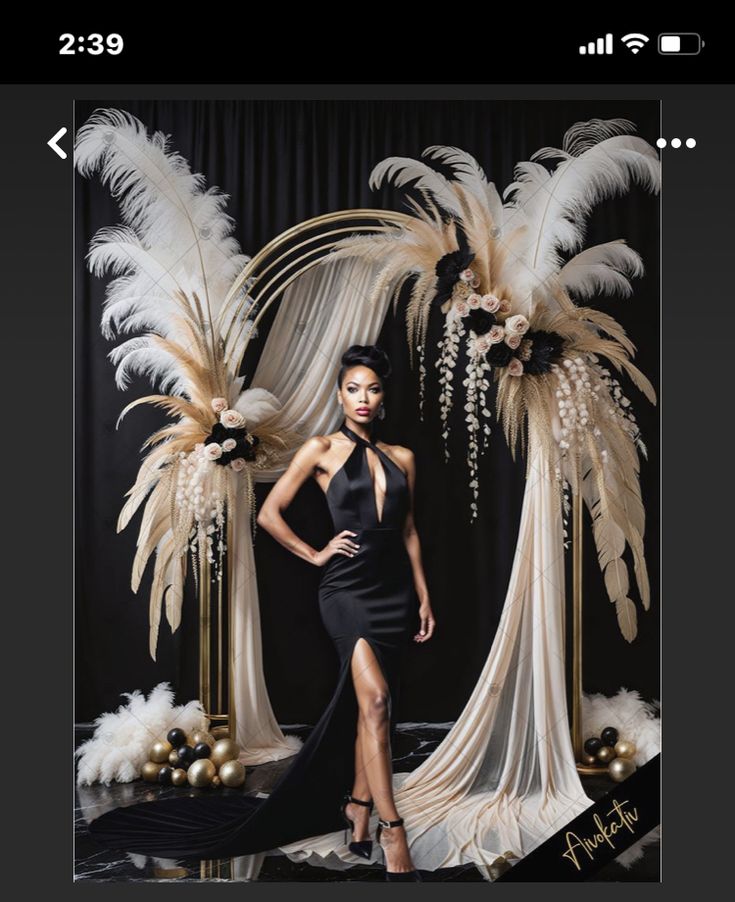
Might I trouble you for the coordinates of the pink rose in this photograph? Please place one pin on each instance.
(473, 301)
(482, 345)
(237, 464)
(228, 444)
(475, 282)
(213, 451)
(467, 275)
(496, 334)
(504, 307)
(232, 418)
(490, 303)
(517, 323)
(462, 308)
(219, 404)
(513, 339)
(515, 367)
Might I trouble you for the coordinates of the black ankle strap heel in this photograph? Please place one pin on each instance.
(395, 875)
(363, 847)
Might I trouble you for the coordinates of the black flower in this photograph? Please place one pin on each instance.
(481, 321)
(449, 267)
(499, 354)
(546, 348)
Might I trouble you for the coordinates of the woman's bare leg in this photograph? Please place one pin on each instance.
(373, 729)
(360, 814)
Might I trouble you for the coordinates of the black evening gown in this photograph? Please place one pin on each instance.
(370, 595)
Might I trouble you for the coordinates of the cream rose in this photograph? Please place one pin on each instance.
(512, 339)
(219, 404)
(473, 301)
(237, 464)
(490, 303)
(467, 275)
(482, 345)
(515, 367)
(228, 444)
(462, 308)
(504, 307)
(517, 323)
(496, 334)
(213, 451)
(232, 418)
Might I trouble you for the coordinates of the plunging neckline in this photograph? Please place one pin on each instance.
(358, 442)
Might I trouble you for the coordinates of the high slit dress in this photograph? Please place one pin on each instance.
(370, 595)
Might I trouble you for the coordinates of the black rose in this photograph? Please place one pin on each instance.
(499, 354)
(481, 321)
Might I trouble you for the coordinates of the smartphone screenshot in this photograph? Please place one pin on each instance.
(347, 535)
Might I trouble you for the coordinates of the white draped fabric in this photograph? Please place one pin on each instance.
(504, 778)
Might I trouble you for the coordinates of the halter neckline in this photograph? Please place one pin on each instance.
(357, 438)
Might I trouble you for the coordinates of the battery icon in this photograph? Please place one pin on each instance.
(687, 43)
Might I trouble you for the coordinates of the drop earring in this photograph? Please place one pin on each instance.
(381, 412)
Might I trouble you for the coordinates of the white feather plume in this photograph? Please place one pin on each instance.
(176, 239)
(122, 739)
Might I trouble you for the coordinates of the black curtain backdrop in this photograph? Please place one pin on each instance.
(283, 162)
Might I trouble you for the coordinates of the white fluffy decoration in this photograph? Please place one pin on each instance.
(634, 719)
(256, 404)
(121, 742)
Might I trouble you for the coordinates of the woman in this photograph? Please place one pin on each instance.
(366, 597)
(372, 596)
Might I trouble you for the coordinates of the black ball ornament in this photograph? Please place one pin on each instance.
(609, 736)
(186, 755)
(176, 737)
(202, 750)
(592, 745)
(164, 775)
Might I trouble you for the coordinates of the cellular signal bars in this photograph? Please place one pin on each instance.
(601, 45)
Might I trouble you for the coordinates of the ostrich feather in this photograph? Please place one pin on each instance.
(175, 241)
(553, 205)
(403, 169)
(604, 269)
(472, 176)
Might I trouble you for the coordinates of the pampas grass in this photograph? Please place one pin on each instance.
(121, 742)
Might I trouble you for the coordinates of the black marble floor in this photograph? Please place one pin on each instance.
(414, 742)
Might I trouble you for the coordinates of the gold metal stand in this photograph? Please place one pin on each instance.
(577, 738)
(223, 664)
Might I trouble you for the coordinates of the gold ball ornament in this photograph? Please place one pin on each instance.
(606, 754)
(173, 758)
(588, 759)
(224, 750)
(232, 773)
(201, 736)
(216, 780)
(220, 733)
(621, 768)
(149, 771)
(160, 751)
(625, 748)
(178, 777)
(200, 773)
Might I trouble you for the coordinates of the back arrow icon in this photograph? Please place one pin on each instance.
(54, 146)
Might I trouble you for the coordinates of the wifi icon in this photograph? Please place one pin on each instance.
(634, 41)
